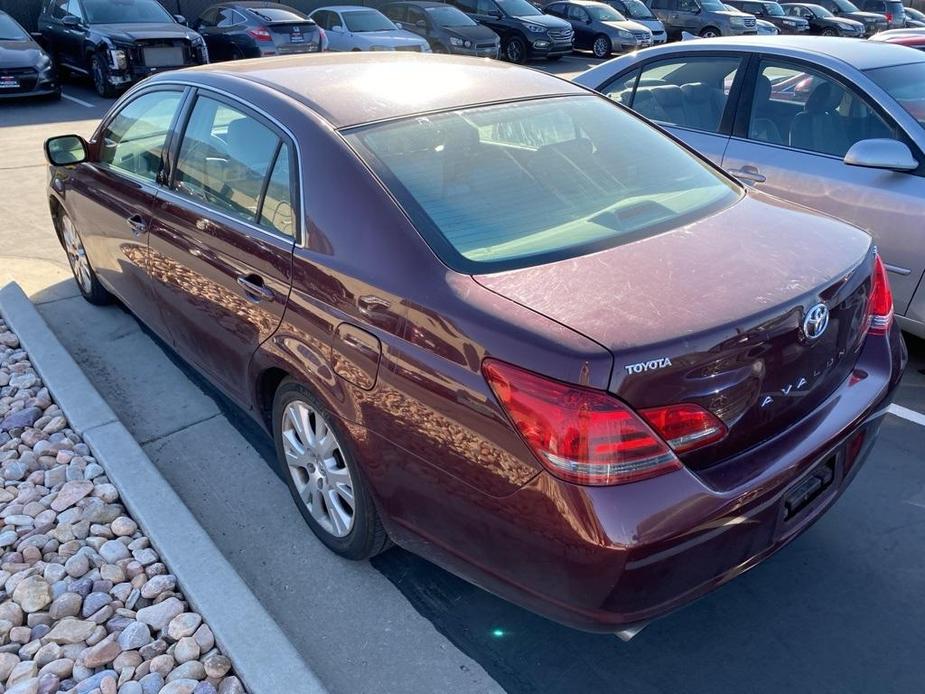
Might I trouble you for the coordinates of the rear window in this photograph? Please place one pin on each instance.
(10, 30)
(279, 14)
(520, 184)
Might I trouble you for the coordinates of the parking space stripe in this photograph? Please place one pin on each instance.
(907, 414)
(77, 101)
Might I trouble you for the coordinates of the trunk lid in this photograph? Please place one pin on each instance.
(713, 313)
(293, 35)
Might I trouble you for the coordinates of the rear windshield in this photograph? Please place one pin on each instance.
(279, 14)
(519, 184)
(10, 30)
(906, 84)
(367, 20)
(125, 11)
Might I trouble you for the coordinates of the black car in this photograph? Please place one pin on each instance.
(772, 12)
(117, 42)
(447, 29)
(846, 9)
(823, 22)
(236, 30)
(25, 69)
(525, 32)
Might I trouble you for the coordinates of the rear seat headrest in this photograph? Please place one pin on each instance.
(668, 95)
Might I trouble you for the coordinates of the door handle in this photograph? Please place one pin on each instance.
(254, 289)
(749, 174)
(137, 224)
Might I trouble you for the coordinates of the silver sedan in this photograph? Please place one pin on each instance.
(834, 124)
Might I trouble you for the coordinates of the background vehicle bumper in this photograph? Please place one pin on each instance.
(605, 558)
(550, 48)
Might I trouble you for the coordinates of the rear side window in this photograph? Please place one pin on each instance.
(689, 93)
(134, 140)
(276, 211)
(225, 158)
(523, 183)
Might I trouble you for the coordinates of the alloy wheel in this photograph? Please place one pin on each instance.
(709, 34)
(319, 472)
(601, 47)
(514, 51)
(76, 255)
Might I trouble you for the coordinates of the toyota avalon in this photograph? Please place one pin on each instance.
(599, 395)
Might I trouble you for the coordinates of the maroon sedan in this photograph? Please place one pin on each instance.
(492, 317)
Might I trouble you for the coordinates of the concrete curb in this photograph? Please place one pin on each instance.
(263, 657)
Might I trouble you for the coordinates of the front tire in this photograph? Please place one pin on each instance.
(87, 281)
(99, 72)
(515, 50)
(710, 33)
(602, 46)
(829, 32)
(323, 477)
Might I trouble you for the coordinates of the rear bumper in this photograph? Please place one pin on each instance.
(606, 558)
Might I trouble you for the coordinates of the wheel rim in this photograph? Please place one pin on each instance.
(317, 467)
(98, 81)
(600, 47)
(709, 34)
(76, 255)
(514, 53)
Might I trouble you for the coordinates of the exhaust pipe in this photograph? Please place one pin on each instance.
(628, 633)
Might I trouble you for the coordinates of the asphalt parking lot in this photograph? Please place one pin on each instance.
(839, 610)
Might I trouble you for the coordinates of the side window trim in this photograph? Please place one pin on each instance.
(295, 187)
(96, 142)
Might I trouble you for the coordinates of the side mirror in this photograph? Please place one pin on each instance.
(420, 24)
(493, 13)
(337, 29)
(70, 20)
(881, 153)
(65, 150)
(180, 19)
(398, 24)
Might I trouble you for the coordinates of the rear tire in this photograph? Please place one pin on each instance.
(515, 50)
(602, 46)
(710, 33)
(829, 32)
(324, 479)
(87, 281)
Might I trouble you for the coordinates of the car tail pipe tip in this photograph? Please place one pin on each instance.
(628, 633)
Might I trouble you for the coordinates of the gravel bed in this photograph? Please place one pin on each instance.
(86, 605)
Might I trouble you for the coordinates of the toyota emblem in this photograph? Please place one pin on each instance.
(816, 321)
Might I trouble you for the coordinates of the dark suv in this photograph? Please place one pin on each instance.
(893, 10)
(525, 31)
(117, 42)
(772, 12)
(872, 21)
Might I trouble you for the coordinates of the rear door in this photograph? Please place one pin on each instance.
(222, 241)
(687, 94)
(113, 195)
(790, 141)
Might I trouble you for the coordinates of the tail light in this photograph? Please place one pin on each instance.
(580, 435)
(685, 426)
(260, 33)
(880, 308)
(889, 17)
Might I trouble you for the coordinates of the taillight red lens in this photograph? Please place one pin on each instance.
(685, 426)
(260, 33)
(580, 435)
(889, 17)
(880, 308)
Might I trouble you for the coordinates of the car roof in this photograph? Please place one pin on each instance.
(344, 8)
(863, 55)
(355, 88)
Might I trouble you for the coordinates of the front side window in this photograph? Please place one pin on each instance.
(689, 93)
(577, 13)
(126, 12)
(519, 184)
(59, 9)
(134, 140)
(225, 158)
(73, 9)
(906, 84)
(688, 6)
(809, 110)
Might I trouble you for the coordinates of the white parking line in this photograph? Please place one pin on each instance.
(77, 101)
(906, 413)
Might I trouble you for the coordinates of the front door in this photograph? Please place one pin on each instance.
(116, 191)
(223, 236)
(580, 20)
(802, 124)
